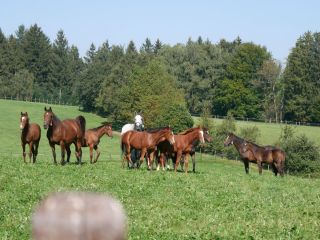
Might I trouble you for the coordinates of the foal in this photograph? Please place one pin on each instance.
(92, 139)
(30, 134)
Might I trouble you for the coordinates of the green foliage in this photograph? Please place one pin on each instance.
(301, 80)
(302, 154)
(175, 116)
(251, 133)
(236, 77)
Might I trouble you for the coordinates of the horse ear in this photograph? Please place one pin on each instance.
(21, 113)
(26, 113)
(50, 109)
(45, 108)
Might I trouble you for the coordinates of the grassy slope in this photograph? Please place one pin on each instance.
(270, 132)
(219, 201)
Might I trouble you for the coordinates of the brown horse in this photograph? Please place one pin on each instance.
(92, 139)
(185, 143)
(250, 152)
(145, 141)
(30, 134)
(64, 133)
(267, 154)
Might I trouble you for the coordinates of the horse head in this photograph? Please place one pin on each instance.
(108, 130)
(138, 122)
(229, 140)
(169, 136)
(206, 135)
(24, 120)
(47, 117)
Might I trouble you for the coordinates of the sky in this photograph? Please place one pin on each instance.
(275, 24)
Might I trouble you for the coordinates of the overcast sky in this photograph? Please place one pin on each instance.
(275, 24)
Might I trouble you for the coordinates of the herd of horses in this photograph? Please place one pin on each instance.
(160, 143)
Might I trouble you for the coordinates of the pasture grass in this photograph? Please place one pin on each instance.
(219, 201)
(270, 132)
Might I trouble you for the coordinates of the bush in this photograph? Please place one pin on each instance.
(251, 134)
(177, 117)
(303, 155)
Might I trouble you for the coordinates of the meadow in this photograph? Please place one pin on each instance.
(217, 202)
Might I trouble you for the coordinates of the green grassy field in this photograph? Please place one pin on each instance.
(218, 202)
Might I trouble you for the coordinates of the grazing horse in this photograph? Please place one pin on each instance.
(267, 154)
(64, 133)
(92, 139)
(185, 143)
(30, 134)
(256, 154)
(145, 141)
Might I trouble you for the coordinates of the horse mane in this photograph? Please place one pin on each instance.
(188, 131)
(101, 126)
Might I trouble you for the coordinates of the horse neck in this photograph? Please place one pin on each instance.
(192, 137)
(237, 142)
(55, 120)
(158, 136)
(100, 132)
(26, 128)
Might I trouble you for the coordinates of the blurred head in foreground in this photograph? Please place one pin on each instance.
(79, 215)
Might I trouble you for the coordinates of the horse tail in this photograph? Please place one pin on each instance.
(82, 122)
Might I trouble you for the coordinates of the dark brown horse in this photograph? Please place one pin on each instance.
(145, 141)
(64, 133)
(185, 143)
(92, 139)
(267, 154)
(250, 152)
(30, 134)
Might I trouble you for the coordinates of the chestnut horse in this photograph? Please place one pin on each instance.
(185, 143)
(145, 141)
(64, 133)
(250, 152)
(30, 134)
(92, 139)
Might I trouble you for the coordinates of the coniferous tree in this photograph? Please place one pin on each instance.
(38, 60)
(301, 80)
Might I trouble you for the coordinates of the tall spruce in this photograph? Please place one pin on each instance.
(301, 80)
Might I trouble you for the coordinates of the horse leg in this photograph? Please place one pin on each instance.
(68, 153)
(30, 150)
(24, 152)
(193, 157)
(79, 151)
(186, 159)
(178, 157)
(246, 165)
(151, 156)
(182, 161)
(275, 169)
(91, 154)
(259, 163)
(53, 153)
(35, 151)
(63, 152)
(143, 153)
(97, 152)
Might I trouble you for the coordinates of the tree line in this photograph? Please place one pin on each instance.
(166, 82)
